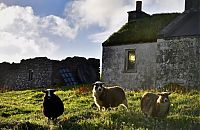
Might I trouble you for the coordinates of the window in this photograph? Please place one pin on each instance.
(67, 77)
(130, 65)
(30, 74)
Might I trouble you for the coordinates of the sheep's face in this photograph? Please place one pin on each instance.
(49, 92)
(163, 97)
(98, 88)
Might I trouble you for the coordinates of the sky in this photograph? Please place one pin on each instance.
(65, 28)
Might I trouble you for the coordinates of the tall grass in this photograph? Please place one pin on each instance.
(23, 110)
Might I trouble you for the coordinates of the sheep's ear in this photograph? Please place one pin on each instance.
(160, 94)
(163, 93)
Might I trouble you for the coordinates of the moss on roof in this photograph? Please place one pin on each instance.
(140, 30)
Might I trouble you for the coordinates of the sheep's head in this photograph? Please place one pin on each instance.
(163, 97)
(98, 88)
(49, 92)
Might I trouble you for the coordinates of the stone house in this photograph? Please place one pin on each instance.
(154, 50)
(43, 72)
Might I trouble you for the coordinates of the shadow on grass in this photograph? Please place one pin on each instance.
(137, 120)
(13, 111)
(73, 123)
(23, 126)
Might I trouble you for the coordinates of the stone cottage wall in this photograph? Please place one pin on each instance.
(178, 61)
(113, 65)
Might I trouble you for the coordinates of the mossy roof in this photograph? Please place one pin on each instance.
(142, 30)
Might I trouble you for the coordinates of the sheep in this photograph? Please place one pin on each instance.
(105, 97)
(155, 105)
(52, 105)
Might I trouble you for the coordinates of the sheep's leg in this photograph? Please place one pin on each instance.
(145, 115)
(125, 102)
(155, 123)
(99, 108)
(55, 120)
(49, 121)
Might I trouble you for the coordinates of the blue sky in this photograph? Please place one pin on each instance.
(65, 28)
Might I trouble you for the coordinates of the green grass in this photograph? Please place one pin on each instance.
(23, 110)
(141, 30)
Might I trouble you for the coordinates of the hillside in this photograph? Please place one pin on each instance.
(22, 110)
(141, 30)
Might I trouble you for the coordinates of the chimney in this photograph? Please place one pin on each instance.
(192, 5)
(138, 13)
(138, 6)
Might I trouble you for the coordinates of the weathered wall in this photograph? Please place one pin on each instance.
(178, 61)
(46, 72)
(113, 64)
(17, 75)
(83, 70)
(42, 72)
(6, 70)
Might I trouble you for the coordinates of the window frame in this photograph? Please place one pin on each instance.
(126, 68)
(30, 74)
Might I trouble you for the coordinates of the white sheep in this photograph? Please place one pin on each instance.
(155, 105)
(105, 97)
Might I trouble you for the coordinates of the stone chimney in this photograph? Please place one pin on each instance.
(138, 13)
(192, 5)
(138, 6)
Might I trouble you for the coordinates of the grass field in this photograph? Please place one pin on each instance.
(21, 110)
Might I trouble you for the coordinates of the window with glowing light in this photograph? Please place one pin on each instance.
(130, 61)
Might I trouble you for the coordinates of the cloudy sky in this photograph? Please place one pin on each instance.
(65, 28)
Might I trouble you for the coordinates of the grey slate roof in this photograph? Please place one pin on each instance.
(187, 24)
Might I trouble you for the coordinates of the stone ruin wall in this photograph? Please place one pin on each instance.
(42, 71)
(178, 61)
(45, 72)
(74, 65)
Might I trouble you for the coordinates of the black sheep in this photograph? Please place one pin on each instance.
(52, 105)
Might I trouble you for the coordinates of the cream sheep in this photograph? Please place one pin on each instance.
(105, 97)
(155, 105)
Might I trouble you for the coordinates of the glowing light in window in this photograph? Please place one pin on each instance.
(131, 57)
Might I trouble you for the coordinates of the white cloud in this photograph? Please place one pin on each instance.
(160, 6)
(94, 11)
(24, 35)
(108, 14)
(111, 15)
(58, 26)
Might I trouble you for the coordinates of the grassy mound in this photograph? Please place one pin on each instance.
(141, 30)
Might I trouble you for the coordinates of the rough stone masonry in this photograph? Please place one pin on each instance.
(43, 72)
